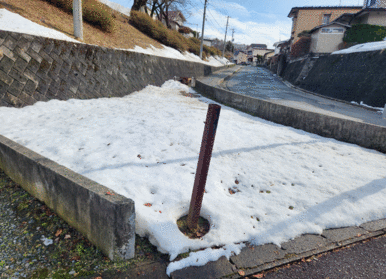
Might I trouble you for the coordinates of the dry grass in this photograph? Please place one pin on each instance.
(124, 36)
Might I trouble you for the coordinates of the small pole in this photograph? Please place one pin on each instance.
(212, 118)
(203, 27)
(78, 20)
(225, 39)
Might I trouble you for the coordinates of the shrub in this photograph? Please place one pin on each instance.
(364, 33)
(301, 47)
(159, 32)
(185, 30)
(93, 12)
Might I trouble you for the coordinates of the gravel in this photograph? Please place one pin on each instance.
(36, 243)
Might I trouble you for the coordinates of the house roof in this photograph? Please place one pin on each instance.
(281, 43)
(173, 15)
(367, 10)
(347, 18)
(258, 45)
(294, 10)
(329, 24)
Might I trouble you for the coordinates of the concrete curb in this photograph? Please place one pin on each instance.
(107, 220)
(363, 134)
(255, 259)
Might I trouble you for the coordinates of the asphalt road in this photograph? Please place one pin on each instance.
(360, 260)
(260, 83)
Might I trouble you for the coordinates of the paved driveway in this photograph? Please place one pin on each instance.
(260, 83)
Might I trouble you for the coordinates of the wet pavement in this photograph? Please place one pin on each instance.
(260, 83)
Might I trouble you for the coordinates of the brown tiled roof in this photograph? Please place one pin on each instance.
(294, 9)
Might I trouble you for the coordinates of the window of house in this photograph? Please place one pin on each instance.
(337, 30)
(326, 30)
(326, 18)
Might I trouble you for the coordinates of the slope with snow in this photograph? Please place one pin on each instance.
(267, 183)
(15, 23)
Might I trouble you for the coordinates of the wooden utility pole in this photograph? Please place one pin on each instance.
(203, 26)
(225, 39)
(78, 20)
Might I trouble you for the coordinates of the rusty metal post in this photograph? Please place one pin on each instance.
(212, 118)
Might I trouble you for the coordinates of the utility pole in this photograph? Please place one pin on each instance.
(202, 33)
(225, 39)
(78, 20)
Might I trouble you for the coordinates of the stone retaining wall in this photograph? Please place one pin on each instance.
(35, 69)
(350, 77)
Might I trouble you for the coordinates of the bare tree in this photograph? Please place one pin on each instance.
(138, 4)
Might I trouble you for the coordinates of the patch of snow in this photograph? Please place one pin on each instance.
(363, 104)
(116, 7)
(284, 182)
(363, 47)
(46, 241)
(15, 23)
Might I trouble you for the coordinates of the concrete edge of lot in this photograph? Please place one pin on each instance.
(346, 130)
(105, 218)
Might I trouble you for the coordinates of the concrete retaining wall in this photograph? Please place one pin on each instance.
(39, 69)
(350, 77)
(366, 135)
(108, 221)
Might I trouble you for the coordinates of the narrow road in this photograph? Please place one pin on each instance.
(260, 83)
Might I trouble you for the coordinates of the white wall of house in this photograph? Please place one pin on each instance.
(376, 18)
(327, 40)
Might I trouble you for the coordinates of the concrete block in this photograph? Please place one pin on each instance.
(22, 54)
(304, 243)
(7, 52)
(6, 64)
(252, 256)
(108, 221)
(341, 234)
(15, 88)
(10, 42)
(20, 64)
(5, 78)
(17, 76)
(373, 226)
(37, 45)
(33, 66)
(212, 270)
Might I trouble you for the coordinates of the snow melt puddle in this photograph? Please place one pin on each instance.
(267, 183)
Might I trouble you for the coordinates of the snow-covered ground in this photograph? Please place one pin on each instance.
(13, 22)
(16, 23)
(363, 47)
(267, 183)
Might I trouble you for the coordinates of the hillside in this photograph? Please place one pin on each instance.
(125, 36)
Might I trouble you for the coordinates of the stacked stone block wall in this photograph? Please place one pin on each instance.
(35, 69)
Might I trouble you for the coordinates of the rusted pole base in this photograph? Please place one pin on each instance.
(212, 118)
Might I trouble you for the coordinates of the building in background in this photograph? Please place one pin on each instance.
(307, 18)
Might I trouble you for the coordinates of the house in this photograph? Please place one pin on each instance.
(281, 47)
(326, 38)
(307, 18)
(208, 42)
(176, 20)
(268, 55)
(255, 50)
(240, 57)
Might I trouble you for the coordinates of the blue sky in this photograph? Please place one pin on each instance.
(254, 21)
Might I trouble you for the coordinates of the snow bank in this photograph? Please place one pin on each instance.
(362, 48)
(267, 183)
